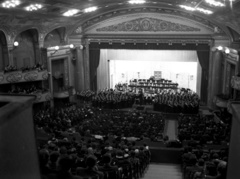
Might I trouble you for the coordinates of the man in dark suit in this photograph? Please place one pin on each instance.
(91, 169)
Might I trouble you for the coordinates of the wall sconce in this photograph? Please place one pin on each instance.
(15, 43)
(220, 48)
(56, 48)
(227, 51)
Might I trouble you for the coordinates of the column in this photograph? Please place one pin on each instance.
(79, 74)
(10, 52)
(216, 77)
(78, 56)
(86, 67)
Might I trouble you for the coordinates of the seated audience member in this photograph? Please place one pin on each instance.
(43, 161)
(52, 165)
(64, 166)
(194, 167)
(107, 168)
(91, 170)
(106, 160)
(222, 170)
(209, 173)
(133, 159)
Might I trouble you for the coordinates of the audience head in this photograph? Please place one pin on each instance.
(222, 168)
(193, 160)
(65, 163)
(54, 157)
(201, 162)
(210, 169)
(91, 161)
(43, 157)
(107, 158)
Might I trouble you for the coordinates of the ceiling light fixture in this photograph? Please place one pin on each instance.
(33, 7)
(215, 3)
(189, 8)
(10, 4)
(204, 10)
(71, 12)
(137, 1)
(90, 9)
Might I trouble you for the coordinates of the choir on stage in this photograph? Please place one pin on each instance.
(164, 98)
(177, 101)
(167, 100)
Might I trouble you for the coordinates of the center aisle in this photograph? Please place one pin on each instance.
(163, 171)
(171, 129)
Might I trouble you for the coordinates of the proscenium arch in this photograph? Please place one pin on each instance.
(107, 39)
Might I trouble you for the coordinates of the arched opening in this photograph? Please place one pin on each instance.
(55, 37)
(27, 53)
(4, 58)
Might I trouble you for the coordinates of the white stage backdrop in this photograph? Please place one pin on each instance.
(110, 57)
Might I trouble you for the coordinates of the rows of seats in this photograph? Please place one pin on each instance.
(206, 150)
(88, 142)
(203, 130)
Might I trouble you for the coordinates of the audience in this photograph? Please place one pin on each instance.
(89, 141)
(205, 154)
(94, 142)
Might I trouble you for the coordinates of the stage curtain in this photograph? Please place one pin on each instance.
(103, 71)
(203, 57)
(94, 57)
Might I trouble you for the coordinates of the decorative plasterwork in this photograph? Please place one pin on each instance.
(149, 41)
(177, 13)
(148, 24)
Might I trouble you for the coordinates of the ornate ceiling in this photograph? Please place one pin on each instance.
(51, 15)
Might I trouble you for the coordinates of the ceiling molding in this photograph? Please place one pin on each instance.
(147, 24)
(122, 12)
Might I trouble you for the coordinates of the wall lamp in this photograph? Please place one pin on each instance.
(56, 48)
(65, 47)
(15, 45)
(225, 50)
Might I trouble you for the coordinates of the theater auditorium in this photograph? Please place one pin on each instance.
(123, 89)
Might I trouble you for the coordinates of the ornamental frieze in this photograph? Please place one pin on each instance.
(19, 76)
(31, 76)
(14, 77)
(45, 76)
(148, 24)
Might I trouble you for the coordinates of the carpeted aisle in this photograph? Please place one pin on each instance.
(163, 171)
(171, 129)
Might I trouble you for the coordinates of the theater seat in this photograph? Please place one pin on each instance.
(111, 175)
(126, 172)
